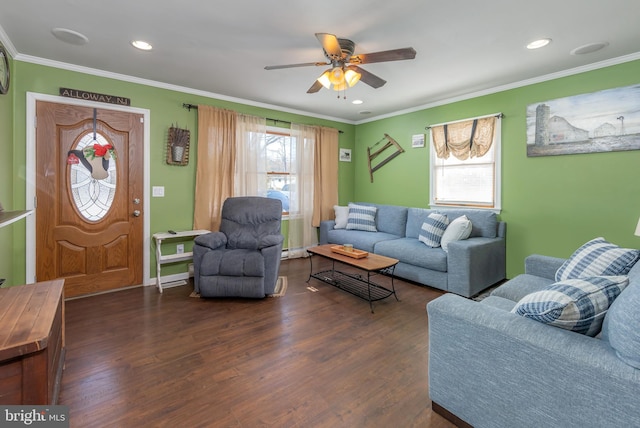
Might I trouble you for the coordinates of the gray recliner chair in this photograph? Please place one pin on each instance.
(243, 258)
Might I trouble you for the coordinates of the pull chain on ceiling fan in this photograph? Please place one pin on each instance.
(345, 71)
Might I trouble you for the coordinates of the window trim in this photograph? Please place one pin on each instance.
(497, 163)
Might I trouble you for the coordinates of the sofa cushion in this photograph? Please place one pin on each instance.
(413, 252)
(362, 217)
(457, 230)
(389, 218)
(342, 215)
(578, 304)
(521, 285)
(359, 239)
(598, 257)
(485, 222)
(415, 218)
(621, 327)
(433, 229)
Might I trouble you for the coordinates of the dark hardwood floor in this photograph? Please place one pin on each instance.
(138, 358)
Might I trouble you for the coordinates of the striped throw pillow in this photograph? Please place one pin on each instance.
(362, 217)
(574, 304)
(598, 257)
(433, 229)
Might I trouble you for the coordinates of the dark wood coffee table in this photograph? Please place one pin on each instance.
(356, 284)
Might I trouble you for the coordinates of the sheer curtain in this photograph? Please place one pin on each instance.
(302, 234)
(251, 165)
(215, 165)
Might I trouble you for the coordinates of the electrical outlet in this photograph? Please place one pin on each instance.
(180, 248)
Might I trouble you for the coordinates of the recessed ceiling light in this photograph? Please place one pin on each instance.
(142, 45)
(589, 48)
(357, 102)
(537, 44)
(70, 36)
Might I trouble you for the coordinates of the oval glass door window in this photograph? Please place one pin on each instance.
(92, 179)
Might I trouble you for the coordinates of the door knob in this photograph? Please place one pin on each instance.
(136, 213)
(136, 201)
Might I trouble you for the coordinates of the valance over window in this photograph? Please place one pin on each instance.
(464, 140)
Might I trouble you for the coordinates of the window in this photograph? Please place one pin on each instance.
(465, 170)
(281, 180)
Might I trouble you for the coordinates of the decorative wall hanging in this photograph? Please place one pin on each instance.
(417, 141)
(603, 121)
(95, 157)
(178, 146)
(345, 155)
(390, 143)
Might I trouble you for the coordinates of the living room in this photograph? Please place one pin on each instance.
(551, 204)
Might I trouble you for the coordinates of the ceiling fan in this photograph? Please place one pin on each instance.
(345, 71)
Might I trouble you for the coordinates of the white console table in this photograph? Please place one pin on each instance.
(172, 258)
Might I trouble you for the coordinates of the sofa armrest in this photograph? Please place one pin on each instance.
(543, 266)
(325, 227)
(490, 367)
(474, 264)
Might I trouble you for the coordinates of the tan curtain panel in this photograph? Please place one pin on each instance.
(464, 140)
(215, 166)
(325, 192)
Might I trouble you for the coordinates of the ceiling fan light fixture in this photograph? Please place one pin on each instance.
(324, 79)
(352, 77)
(340, 86)
(337, 76)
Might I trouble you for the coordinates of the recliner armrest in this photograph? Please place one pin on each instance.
(212, 240)
(270, 241)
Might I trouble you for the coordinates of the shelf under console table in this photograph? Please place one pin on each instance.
(172, 258)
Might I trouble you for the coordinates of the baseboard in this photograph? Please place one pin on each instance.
(449, 416)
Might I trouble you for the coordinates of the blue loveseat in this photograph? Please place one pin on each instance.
(489, 367)
(468, 267)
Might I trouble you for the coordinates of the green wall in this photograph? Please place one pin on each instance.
(6, 178)
(175, 210)
(551, 204)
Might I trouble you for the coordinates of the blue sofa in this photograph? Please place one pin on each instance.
(489, 367)
(469, 266)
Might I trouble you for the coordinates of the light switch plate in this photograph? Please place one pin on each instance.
(157, 191)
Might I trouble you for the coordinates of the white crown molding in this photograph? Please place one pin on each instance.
(514, 85)
(161, 85)
(470, 95)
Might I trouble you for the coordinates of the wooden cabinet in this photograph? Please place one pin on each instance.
(32, 343)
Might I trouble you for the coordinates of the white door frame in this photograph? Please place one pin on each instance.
(32, 98)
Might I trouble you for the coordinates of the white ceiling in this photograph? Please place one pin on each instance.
(220, 48)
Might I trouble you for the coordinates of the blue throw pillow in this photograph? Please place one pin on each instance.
(574, 304)
(432, 229)
(596, 258)
(362, 217)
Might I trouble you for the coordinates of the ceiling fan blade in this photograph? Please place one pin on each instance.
(384, 56)
(330, 45)
(368, 78)
(315, 87)
(304, 64)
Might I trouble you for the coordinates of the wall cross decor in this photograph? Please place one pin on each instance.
(390, 143)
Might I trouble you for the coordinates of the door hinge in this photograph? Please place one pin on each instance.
(142, 120)
(35, 202)
(35, 121)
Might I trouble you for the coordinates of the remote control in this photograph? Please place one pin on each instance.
(173, 232)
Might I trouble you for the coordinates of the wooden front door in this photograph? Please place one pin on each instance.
(89, 192)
